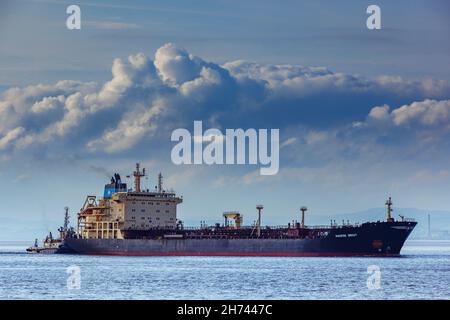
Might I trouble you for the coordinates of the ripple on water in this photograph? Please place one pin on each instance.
(421, 273)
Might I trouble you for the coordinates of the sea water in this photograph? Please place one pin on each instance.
(421, 272)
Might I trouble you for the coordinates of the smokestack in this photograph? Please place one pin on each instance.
(429, 226)
(137, 177)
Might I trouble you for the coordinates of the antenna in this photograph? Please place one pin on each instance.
(259, 207)
(303, 210)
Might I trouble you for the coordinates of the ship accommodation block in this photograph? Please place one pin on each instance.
(127, 211)
(150, 210)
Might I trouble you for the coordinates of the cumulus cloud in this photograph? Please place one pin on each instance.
(415, 132)
(307, 80)
(146, 99)
(175, 65)
(11, 136)
(426, 114)
(129, 130)
(380, 113)
(48, 104)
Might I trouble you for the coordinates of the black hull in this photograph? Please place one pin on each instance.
(369, 239)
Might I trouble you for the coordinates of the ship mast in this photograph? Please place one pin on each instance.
(259, 207)
(63, 231)
(160, 182)
(389, 209)
(303, 210)
(137, 177)
(66, 219)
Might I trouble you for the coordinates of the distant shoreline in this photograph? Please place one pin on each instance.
(427, 242)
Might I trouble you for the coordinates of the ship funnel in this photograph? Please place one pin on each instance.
(137, 177)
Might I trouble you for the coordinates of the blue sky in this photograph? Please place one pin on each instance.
(362, 114)
(326, 33)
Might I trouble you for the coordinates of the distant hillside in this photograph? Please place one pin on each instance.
(440, 220)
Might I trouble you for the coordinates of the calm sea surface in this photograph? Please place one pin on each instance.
(422, 272)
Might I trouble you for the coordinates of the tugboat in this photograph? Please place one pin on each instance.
(51, 245)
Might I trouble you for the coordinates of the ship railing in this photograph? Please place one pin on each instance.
(279, 227)
(241, 227)
(275, 227)
(319, 227)
(350, 225)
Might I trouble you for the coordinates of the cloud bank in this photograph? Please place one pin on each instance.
(320, 112)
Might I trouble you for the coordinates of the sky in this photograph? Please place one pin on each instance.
(363, 114)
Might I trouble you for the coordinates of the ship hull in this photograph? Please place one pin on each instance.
(371, 239)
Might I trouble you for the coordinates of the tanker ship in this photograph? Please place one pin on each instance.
(143, 222)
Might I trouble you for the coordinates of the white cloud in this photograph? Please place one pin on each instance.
(379, 113)
(197, 88)
(427, 113)
(288, 142)
(300, 80)
(144, 97)
(48, 104)
(110, 25)
(10, 137)
(133, 127)
(175, 65)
